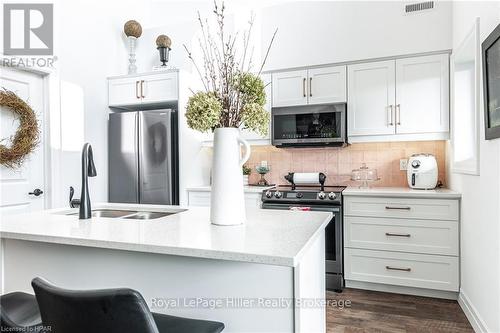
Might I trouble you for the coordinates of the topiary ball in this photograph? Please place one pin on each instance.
(163, 41)
(132, 28)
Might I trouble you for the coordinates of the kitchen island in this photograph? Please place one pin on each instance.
(267, 275)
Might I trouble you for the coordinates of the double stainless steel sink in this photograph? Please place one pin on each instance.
(129, 214)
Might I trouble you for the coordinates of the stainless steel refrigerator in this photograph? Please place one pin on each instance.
(143, 157)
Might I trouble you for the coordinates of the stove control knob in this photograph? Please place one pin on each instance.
(278, 194)
(321, 195)
(332, 195)
(299, 195)
(269, 194)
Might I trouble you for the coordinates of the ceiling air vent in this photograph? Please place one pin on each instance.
(418, 7)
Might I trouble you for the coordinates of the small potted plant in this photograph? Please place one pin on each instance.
(246, 172)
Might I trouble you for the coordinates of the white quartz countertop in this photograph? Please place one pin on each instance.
(275, 237)
(440, 193)
(247, 189)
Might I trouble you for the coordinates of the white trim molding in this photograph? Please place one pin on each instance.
(471, 313)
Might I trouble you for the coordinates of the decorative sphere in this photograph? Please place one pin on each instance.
(163, 41)
(132, 28)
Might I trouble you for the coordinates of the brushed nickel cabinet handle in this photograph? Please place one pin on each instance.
(398, 114)
(304, 87)
(398, 269)
(397, 235)
(390, 115)
(310, 87)
(137, 90)
(142, 89)
(397, 208)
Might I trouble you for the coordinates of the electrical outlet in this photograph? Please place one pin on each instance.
(403, 164)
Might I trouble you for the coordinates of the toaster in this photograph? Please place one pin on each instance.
(422, 171)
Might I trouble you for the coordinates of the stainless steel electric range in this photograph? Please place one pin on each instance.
(315, 198)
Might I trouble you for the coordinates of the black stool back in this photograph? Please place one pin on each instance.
(96, 311)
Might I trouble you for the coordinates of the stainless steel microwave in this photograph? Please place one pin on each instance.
(309, 125)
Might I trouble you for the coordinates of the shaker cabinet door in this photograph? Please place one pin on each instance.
(422, 94)
(327, 85)
(290, 88)
(371, 98)
(124, 91)
(159, 88)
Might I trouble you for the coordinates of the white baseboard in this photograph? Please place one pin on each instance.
(470, 311)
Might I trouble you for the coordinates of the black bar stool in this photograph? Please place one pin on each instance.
(19, 312)
(108, 311)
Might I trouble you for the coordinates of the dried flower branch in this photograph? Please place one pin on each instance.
(227, 80)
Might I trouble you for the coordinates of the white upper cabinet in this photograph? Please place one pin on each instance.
(149, 88)
(327, 85)
(312, 86)
(124, 91)
(398, 100)
(159, 88)
(290, 88)
(422, 94)
(371, 99)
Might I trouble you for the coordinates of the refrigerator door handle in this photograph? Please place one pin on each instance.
(137, 129)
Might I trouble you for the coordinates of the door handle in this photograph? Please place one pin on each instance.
(390, 115)
(397, 235)
(137, 90)
(398, 269)
(310, 87)
(397, 208)
(398, 114)
(142, 89)
(304, 87)
(36, 192)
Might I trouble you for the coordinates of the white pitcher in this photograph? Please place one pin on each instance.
(227, 203)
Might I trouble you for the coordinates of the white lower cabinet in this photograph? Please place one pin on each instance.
(202, 198)
(397, 242)
(402, 269)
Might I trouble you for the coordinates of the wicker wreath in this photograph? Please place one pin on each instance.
(26, 138)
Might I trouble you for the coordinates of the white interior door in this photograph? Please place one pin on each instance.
(17, 184)
(327, 85)
(422, 94)
(290, 88)
(371, 98)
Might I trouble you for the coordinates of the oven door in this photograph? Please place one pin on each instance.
(310, 125)
(333, 234)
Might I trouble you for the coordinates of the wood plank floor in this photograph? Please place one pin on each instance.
(372, 311)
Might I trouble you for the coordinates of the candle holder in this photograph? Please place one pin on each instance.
(262, 171)
(132, 30)
(132, 67)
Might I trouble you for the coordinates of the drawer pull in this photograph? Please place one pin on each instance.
(398, 269)
(397, 235)
(397, 208)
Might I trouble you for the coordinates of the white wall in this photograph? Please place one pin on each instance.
(89, 47)
(480, 231)
(320, 32)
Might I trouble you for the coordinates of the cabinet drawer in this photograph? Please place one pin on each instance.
(402, 269)
(199, 199)
(432, 209)
(417, 236)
